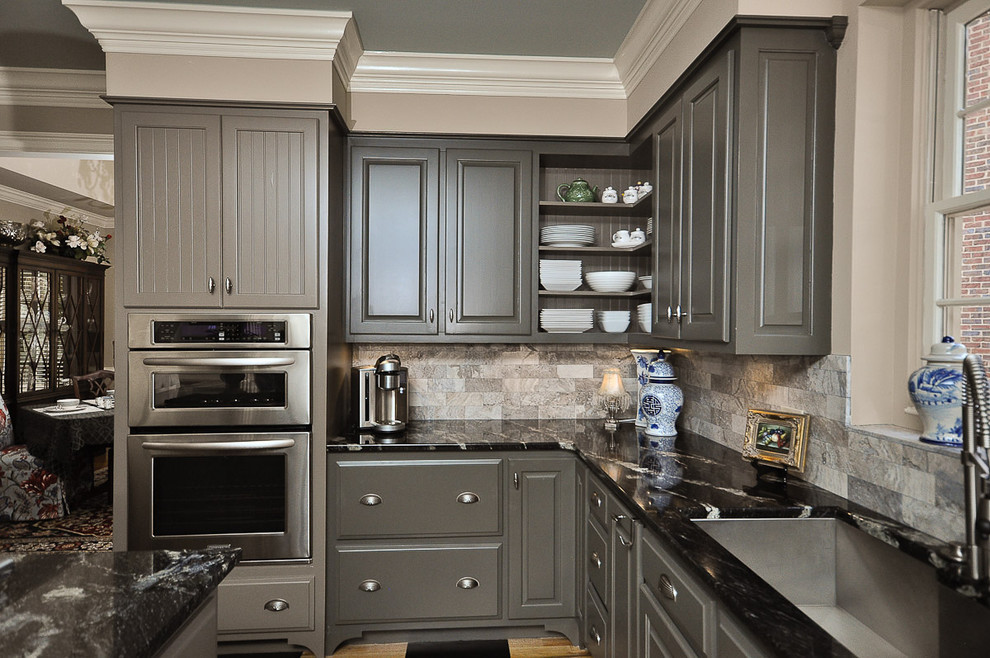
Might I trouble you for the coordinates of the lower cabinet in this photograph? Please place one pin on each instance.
(456, 540)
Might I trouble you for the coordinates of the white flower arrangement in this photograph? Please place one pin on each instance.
(67, 237)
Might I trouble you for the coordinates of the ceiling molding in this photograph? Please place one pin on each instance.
(157, 28)
(434, 73)
(35, 202)
(91, 146)
(650, 35)
(52, 88)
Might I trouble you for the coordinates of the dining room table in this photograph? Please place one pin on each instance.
(67, 440)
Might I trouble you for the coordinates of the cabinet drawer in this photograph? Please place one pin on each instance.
(265, 605)
(598, 569)
(596, 630)
(399, 583)
(691, 608)
(422, 498)
(658, 636)
(598, 502)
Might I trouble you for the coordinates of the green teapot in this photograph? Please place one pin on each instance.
(578, 190)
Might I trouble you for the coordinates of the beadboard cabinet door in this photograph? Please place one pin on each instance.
(168, 226)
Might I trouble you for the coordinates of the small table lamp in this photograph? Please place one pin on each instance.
(612, 397)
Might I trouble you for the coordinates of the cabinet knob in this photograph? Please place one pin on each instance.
(450, 315)
(370, 586)
(667, 588)
(467, 583)
(595, 560)
(595, 635)
(680, 316)
(670, 314)
(211, 284)
(431, 316)
(468, 498)
(596, 500)
(277, 605)
(228, 285)
(371, 500)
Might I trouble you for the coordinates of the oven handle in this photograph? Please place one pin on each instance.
(219, 361)
(222, 446)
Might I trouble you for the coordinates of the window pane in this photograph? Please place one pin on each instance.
(976, 151)
(977, 59)
(967, 275)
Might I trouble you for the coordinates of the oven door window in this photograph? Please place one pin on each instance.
(221, 494)
(204, 390)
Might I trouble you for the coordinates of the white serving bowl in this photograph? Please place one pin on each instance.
(647, 282)
(614, 325)
(609, 281)
(644, 324)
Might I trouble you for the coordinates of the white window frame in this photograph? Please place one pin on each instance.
(947, 198)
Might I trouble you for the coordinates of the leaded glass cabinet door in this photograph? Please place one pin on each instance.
(34, 330)
(78, 336)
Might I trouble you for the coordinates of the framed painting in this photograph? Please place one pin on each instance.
(776, 438)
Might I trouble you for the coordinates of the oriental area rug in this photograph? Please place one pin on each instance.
(87, 527)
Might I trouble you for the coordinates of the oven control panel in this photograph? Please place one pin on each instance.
(271, 332)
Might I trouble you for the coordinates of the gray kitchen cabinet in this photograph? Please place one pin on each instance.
(449, 542)
(542, 530)
(439, 240)
(743, 164)
(611, 534)
(223, 205)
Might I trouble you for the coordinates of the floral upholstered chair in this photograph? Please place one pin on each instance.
(27, 491)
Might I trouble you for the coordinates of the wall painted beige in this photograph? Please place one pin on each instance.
(91, 178)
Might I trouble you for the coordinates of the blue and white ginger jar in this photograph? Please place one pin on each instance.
(936, 391)
(643, 358)
(660, 399)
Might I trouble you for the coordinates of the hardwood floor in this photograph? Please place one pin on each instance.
(523, 648)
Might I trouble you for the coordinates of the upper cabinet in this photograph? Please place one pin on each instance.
(219, 207)
(743, 164)
(439, 240)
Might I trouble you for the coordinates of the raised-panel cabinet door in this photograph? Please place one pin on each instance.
(168, 224)
(394, 240)
(667, 238)
(706, 205)
(271, 210)
(542, 537)
(489, 224)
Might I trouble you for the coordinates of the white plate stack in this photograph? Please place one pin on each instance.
(567, 235)
(613, 322)
(566, 320)
(610, 281)
(560, 275)
(644, 312)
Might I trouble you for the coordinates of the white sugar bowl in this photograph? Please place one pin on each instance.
(630, 195)
(609, 195)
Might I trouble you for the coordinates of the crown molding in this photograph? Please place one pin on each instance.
(92, 146)
(52, 87)
(35, 202)
(435, 73)
(651, 34)
(157, 28)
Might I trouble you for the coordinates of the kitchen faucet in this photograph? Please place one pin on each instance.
(976, 466)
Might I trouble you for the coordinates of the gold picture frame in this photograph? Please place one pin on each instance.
(776, 438)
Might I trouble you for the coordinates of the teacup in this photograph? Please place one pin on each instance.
(622, 235)
(67, 403)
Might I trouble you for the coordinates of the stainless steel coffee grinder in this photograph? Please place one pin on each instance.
(381, 395)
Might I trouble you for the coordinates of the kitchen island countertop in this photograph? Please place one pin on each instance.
(103, 604)
(666, 482)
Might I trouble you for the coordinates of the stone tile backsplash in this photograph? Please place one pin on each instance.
(882, 468)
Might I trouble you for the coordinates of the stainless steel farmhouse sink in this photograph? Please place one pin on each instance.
(870, 596)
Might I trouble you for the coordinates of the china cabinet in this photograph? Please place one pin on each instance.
(220, 206)
(439, 239)
(743, 165)
(52, 310)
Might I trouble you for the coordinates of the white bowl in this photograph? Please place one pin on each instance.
(647, 282)
(67, 403)
(614, 326)
(610, 281)
(644, 324)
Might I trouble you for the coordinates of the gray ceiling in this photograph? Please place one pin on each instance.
(43, 33)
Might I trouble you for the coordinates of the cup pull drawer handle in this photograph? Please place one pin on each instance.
(595, 560)
(277, 605)
(467, 583)
(667, 588)
(370, 586)
(468, 498)
(595, 635)
(371, 500)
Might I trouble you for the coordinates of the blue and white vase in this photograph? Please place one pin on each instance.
(643, 358)
(936, 391)
(660, 398)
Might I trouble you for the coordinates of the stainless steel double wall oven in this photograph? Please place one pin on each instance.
(219, 409)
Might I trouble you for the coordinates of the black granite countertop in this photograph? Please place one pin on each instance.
(666, 482)
(103, 604)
